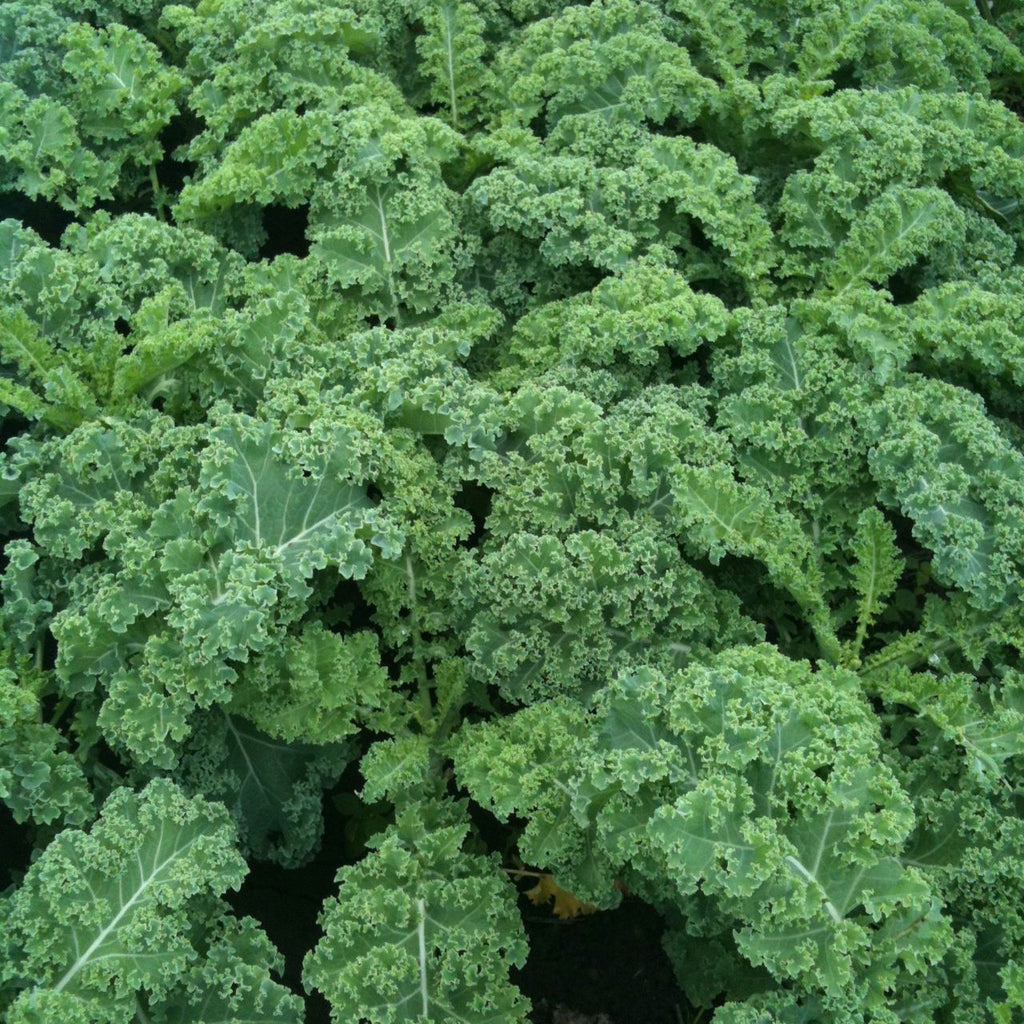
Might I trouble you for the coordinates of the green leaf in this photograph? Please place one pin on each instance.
(763, 788)
(395, 769)
(273, 789)
(320, 688)
(124, 89)
(274, 159)
(304, 514)
(704, 182)
(230, 983)
(876, 571)
(40, 780)
(527, 764)
(454, 56)
(386, 250)
(897, 228)
(105, 914)
(721, 515)
(939, 459)
(67, 398)
(21, 344)
(421, 931)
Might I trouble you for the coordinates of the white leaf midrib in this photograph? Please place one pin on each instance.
(145, 882)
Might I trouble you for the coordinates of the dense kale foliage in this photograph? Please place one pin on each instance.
(604, 417)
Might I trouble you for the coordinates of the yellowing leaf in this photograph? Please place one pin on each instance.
(565, 904)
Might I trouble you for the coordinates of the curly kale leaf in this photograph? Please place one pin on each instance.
(381, 217)
(454, 58)
(320, 687)
(274, 789)
(304, 516)
(945, 465)
(197, 577)
(750, 779)
(421, 930)
(634, 322)
(86, 133)
(612, 63)
(560, 617)
(604, 200)
(40, 780)
(230, 982)
(110, 916)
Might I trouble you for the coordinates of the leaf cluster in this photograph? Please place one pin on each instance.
(597, 426)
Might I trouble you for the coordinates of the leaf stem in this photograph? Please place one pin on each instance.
(158, 193)
(423, 699)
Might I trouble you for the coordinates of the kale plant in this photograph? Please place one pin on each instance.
(601, 419)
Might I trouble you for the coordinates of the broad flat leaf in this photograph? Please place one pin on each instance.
(645, 748)
(22, 344)
(804, 857)
(121, 88)
(723, 514)
(816, 942)
(91, 644)
(832, 882)
(303, 517)
(394, 767)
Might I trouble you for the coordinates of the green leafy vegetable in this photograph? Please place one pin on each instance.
(597, 425)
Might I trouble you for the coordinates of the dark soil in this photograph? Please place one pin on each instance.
(609, 963)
